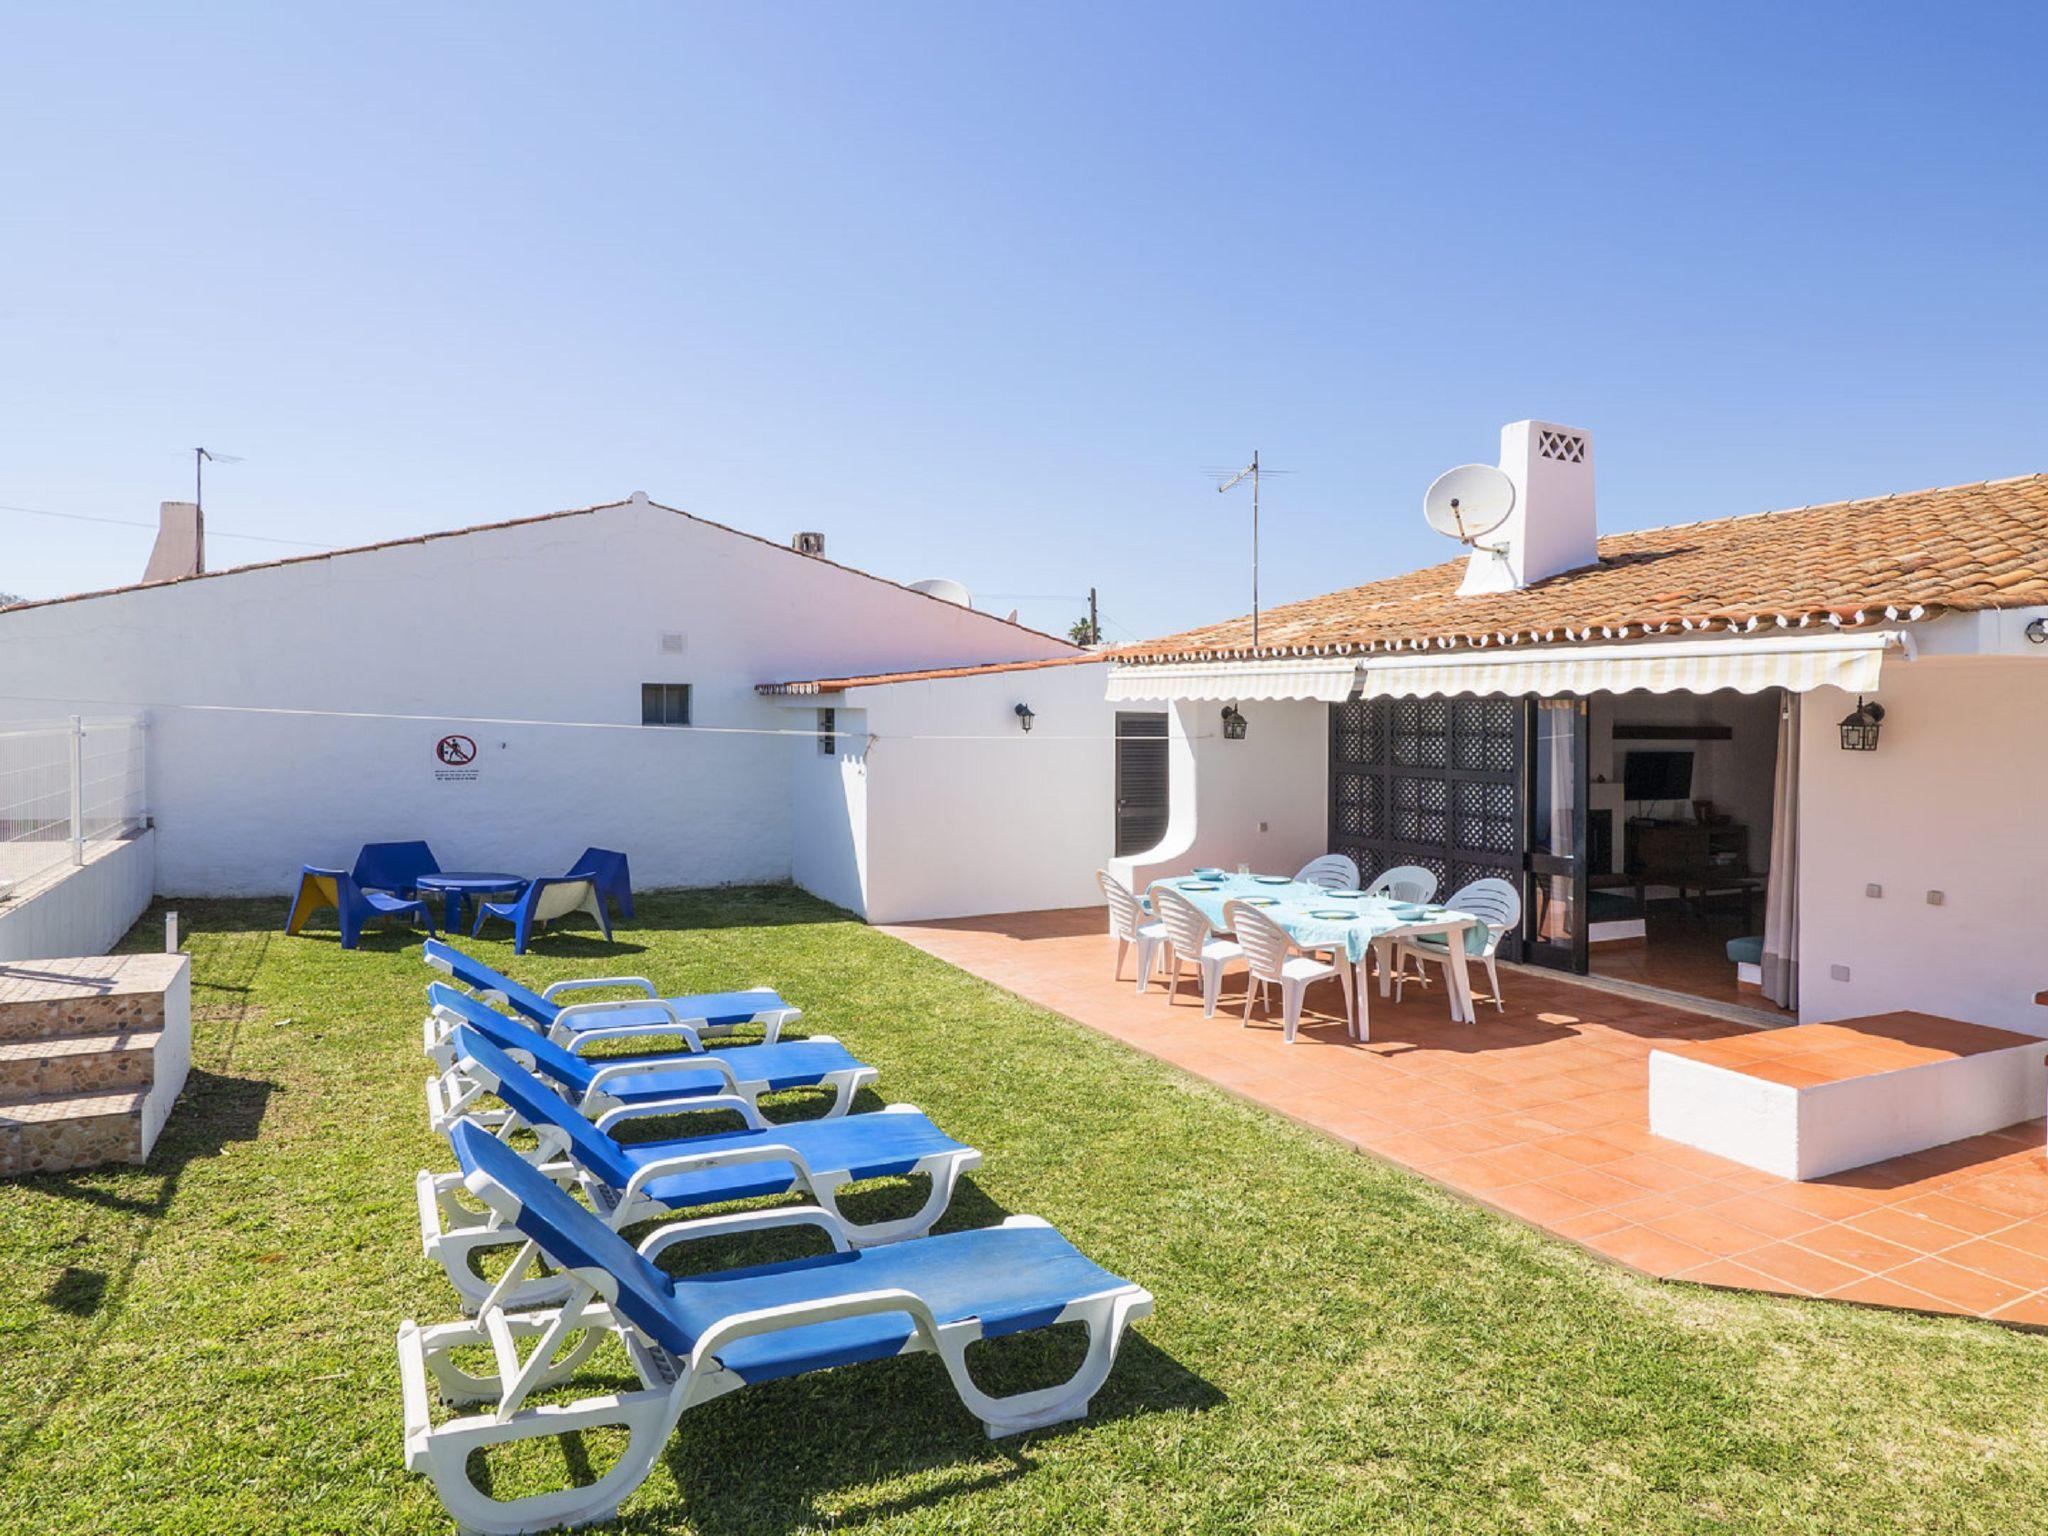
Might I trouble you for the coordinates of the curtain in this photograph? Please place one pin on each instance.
(1781, 894)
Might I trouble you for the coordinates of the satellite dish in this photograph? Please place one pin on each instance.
(944, 590)
(1469, 502)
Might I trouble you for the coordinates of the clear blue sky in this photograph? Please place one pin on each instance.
(980, 291)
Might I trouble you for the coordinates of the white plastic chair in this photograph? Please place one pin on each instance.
(1275, 958)
(1191, 941)
(1494, 902)
(1404, 882)
(1128, 925)
(1333, 872)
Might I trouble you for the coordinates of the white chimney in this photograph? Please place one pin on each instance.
(1552, 527)
(180, 543)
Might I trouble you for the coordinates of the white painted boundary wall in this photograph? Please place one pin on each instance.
(83, 910)
(1955, 800)
(562, 618)
(953, 809)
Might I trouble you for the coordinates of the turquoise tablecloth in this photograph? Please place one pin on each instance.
(1297, 905)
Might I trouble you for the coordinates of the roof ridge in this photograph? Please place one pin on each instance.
(852, 570)
(637, 498)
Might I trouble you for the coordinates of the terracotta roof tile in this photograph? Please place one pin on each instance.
(1904, 556)
(878, 679)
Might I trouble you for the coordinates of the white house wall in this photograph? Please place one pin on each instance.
(829, 810)
(1262, 801)
(968, 814)
(1953, 800)
(559, 619)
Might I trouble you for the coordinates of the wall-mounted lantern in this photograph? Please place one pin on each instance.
(1024, 716)
(1233, 723)
(1859, 730)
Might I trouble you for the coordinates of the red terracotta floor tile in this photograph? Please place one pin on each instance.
(1910, 1230)
(1540, 1111)
(1801, 1269)
(1967, 1290)
(1715, 1234)
(1651, 1251)
(1884, 1291)
(1729, 1275)
(1953, 1211)
(1857, 1248)
(2015, 1266)
(2028, 1311)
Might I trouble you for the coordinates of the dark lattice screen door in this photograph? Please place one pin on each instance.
(1434, 782)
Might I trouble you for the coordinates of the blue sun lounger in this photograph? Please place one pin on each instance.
(692, 1018)
(694, 1338)
(597, 1086)
(631, 1182)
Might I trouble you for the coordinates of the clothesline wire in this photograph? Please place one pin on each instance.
(510, 721)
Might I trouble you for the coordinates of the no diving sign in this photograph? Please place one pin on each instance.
(455, 760)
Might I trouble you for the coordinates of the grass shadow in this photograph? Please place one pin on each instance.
(212, 1111)
(890, 1419)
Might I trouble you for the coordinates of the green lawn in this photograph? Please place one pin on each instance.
(205, 1345)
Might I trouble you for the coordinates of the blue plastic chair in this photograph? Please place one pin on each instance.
(545, 899)
(608, 869)
(394, 867)
(353, 905)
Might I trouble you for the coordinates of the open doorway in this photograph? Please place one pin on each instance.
(1680, 809)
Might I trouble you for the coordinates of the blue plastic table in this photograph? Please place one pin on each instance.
(459, 885)
(1318, 919)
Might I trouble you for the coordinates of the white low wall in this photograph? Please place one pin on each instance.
(1262, 801)
(962, 812)
(86, 911)
(1953, 800)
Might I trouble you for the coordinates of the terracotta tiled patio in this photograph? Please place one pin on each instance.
(1540, 1112)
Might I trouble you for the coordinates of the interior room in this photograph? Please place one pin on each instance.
(1679, 821)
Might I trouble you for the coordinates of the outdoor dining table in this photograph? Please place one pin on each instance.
(459, 885)
(1343, 923)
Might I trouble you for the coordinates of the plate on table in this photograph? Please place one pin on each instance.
(1407, 911)
(1260, 901)
(1274, 879)
(1197, 885)
(1336, 915)
(1345, 895)
(1208, 874)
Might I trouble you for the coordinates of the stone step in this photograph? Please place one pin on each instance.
(119, 1061)
(95, 995)
(71, 1130)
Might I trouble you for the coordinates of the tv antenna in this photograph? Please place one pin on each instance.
(1230, 480)
(200, 458)
(1469, 502)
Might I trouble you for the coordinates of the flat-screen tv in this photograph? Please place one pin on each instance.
(1657, 776)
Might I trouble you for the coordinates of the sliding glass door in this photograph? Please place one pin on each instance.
(1554, 917)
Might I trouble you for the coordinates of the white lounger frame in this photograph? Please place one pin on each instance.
(844, 1085)
(563, 1031)
(450, 1232)
(670, 1385)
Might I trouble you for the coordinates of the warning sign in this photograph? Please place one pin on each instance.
(455, 760)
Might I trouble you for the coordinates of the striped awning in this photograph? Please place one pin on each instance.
(1798, 663)
(1747, 664)
(1329, 679)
